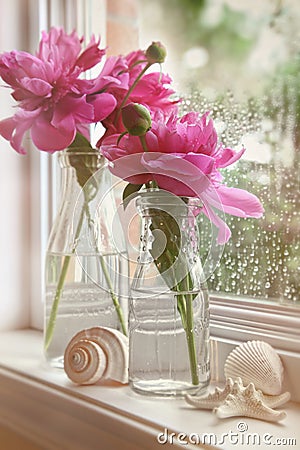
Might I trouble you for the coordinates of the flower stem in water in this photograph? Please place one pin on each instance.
(107, 277)
(189, 330)
(59, 288)
(62, 277)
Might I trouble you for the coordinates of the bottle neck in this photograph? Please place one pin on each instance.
(179, 232)
(169, 228)
(87, 217)
(80, 174)
(169, 245)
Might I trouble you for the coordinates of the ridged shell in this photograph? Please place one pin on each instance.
(95, 354)
(256, 362)
(246, 402)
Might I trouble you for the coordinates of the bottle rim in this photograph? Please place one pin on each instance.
(160, 199)
(90, 158)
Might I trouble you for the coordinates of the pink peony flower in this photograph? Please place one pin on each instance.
(183, 157)
(54, 101)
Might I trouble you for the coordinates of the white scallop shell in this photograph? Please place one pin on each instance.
(95, 354)
(256, 362)
(247, 402)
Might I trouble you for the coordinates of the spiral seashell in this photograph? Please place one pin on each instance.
(247, 402)
(96, 354)
(256, 362)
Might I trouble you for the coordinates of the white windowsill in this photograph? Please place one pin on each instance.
(43, 405)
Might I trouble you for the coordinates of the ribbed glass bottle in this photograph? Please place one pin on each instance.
(169, 302)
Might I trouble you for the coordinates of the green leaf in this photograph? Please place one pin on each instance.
(166, 244)
(80, 143)
(128, 193)
(170, 261)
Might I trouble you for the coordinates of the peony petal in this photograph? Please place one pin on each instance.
(37, 86)
(14, 128)
(124, 145)
(18, 135)
(50, 139)
(58, 46)
(66, 124)
(72, 109)
(227, 156)
(103, 105)
(91, 56)
(176, 173)
(237, 202)
(224, 232)
(84, 129)
(7, 127)
(204, 162)
(130, 169)
(114, 76)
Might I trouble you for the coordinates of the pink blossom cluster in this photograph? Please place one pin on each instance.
(55, 100)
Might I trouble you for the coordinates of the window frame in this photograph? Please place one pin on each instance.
(243, 319)
(44, 181)
(232, 317)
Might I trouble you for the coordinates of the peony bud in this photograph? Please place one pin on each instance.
(136, 119)
(156, 53)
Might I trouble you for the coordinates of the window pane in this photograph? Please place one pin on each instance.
(241, 61)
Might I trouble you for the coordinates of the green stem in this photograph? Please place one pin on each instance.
(53, 314)
(181, 306)
(113, 295)
(130, 90)
(144, 143)
(107, 277)
(62, 277)
(185, 308)
(59, 288)
(189, 330)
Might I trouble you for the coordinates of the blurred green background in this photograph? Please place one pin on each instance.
(241, 61)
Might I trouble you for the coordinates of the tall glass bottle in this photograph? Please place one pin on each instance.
(169, 303)
(86, 263)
